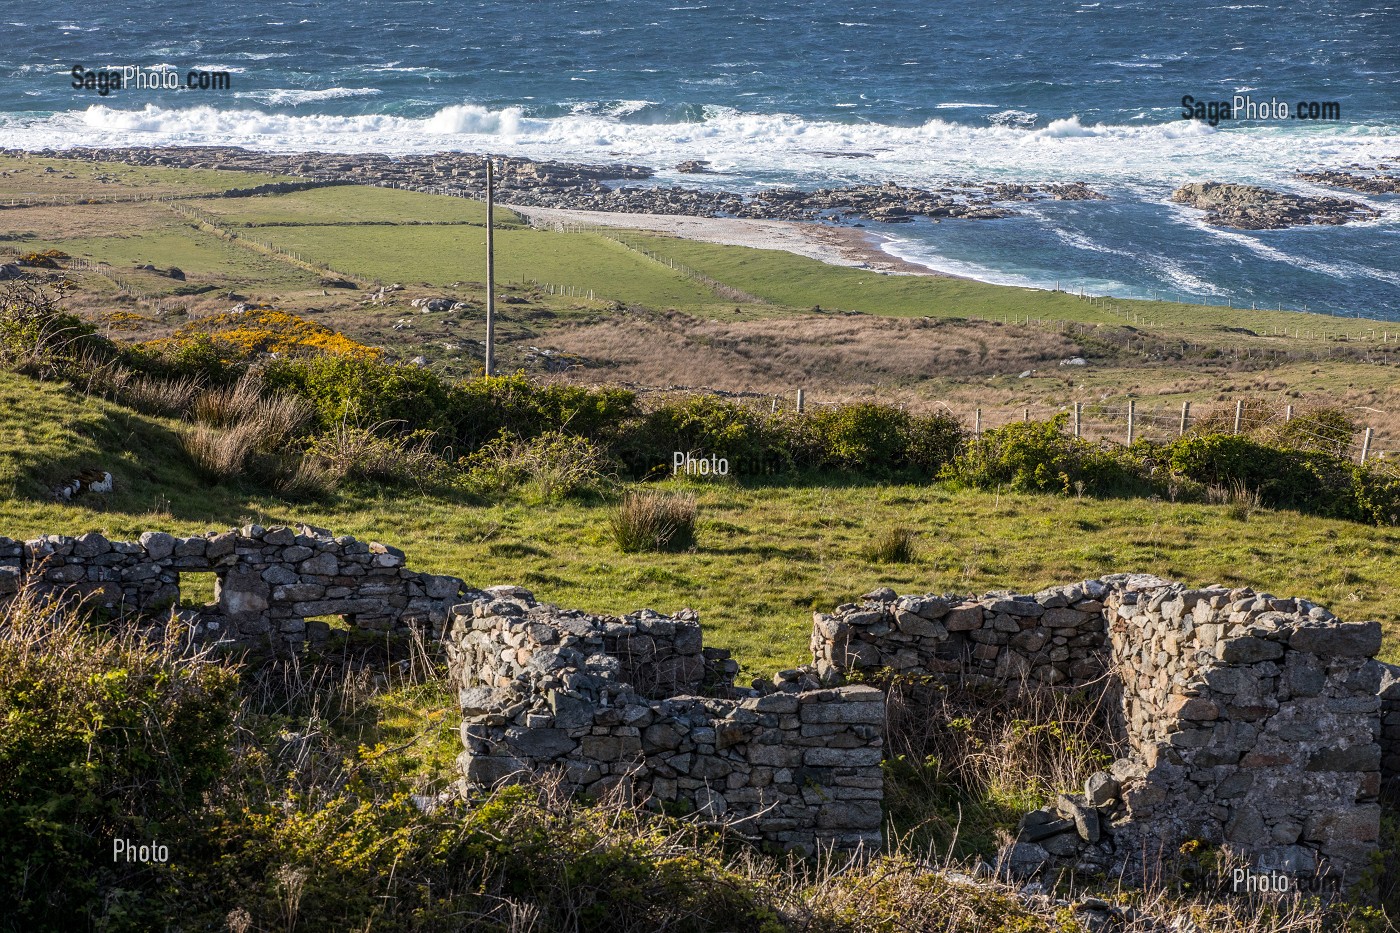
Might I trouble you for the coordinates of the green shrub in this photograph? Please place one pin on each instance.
(861, 436)
(105, 738)
(1041, 456)
(653, 521)
(1315, 482)
(1320, 430)
(366, 391)
(197, 358)
(39, 338)
(703, 425)
(552, 466)
(1377, 495)
(932, 441)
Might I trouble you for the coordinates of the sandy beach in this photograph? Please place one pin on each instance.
(839, 246)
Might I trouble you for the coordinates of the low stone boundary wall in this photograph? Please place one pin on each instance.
(1053, 637)
(544, 688)
(1250, 723)
(272, 586)
(1258, 725)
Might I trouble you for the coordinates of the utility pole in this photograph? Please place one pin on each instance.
(490, 268)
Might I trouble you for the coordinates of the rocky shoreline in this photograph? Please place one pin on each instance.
(576, 186)
(1249, 207)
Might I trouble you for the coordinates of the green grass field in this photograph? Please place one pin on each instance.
(769, 553)
(401, 236)
(36, 177)
(354, 204)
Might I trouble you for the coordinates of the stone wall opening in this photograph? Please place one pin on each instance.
(198, 589)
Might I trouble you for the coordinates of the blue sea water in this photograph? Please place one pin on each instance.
(802, 93)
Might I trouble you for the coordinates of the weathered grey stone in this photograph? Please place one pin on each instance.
(158, 544)
(1342, 640)
(242, 592)
(540, 743)
(1023, 859)
(1100, 788)
(1247, 650)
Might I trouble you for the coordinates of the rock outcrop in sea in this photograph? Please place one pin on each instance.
(1249, 207)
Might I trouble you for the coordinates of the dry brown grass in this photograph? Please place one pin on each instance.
(653, 521)
(232, 424)
(376, 453)
(773, 355)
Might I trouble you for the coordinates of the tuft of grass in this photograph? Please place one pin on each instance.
(232, 424)
(896, 545)
(223, 453)
(355, 452)
(653, 521)
(1241, 502)
(550, 467)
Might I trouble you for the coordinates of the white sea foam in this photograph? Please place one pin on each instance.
(1162, 155)
(294, 96)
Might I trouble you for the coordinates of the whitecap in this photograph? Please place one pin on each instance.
(293, 96)
(757, 145)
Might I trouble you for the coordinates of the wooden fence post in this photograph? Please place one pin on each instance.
(1078, 418)
(1288, 414)
(1132, 410)
(1239, 414)
(801, 400)
(1185, 418)
(977, 422)
(1365, 445)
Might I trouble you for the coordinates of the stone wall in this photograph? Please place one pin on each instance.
(1255, 721)
(273, 586)
(616, 705)
(1259, 725)
(1247, 722)
(1053, 637)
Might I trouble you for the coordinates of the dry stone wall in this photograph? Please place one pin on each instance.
(637, 705)
(1248, 722)
(273, 586)
(1259, 725)
(1053, 637)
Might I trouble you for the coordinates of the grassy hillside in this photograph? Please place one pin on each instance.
(768, 554)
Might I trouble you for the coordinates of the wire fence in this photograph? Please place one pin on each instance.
(1125, 422)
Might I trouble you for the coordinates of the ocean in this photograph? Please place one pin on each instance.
(775, 92)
